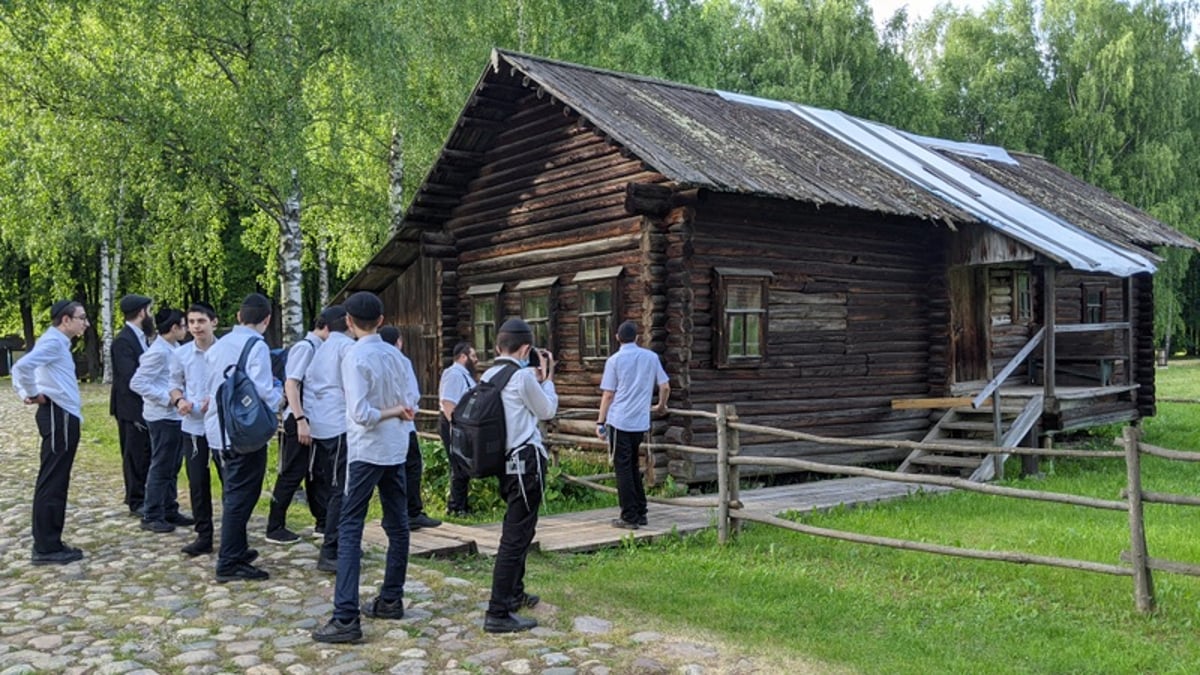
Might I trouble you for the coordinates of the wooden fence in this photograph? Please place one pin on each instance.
(1136, 562)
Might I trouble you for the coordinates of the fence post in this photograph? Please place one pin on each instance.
(1143, 584)
(735, 472)
(722, 473)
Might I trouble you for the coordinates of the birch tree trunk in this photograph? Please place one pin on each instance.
(106, 307)
(396, 182)
(322, 272)
(291, 247)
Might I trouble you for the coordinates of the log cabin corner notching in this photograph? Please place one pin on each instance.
(806, 265)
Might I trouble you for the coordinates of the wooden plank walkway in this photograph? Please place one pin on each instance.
(590, 530)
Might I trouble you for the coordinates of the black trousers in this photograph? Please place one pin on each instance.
(413, 466)
(298, 463)
(631, 493)
(135, 460)
(460, 481)
(335, 450)
(523, 494)
(59, 430)
(243, 481)
(196, 453)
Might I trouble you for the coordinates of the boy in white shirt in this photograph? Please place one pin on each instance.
(152, 381)
(375, 382)
(45, 377)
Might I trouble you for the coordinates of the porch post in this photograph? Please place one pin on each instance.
(1130, 336)
(1049, 300)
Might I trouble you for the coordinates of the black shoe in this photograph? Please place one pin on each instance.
(282, 536)
(380, 609)
(242, 572)
(251, 555)
(201, 546)
(319, 530)
(61, 557)
(180, 520)
(422, 521)
(339, 631)
(159, 526)
(508, 624)
(137, 511)
(526, 601)
(624, 524)
(642, 521)
(327, 564)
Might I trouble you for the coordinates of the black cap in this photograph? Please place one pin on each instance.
(130, 304)
(389, 334)
(58, 308)
(166, 319)
(364, 306)
(627, 331)
(331, 314)
(256, 301)
(516, 326)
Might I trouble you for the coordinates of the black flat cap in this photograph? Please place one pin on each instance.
(364, 306)
(517, 326)
(58, 308)
(130, 304)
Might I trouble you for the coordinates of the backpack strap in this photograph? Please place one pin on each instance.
(241, 364)
(501, 381)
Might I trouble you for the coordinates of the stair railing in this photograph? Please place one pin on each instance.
(992, 389)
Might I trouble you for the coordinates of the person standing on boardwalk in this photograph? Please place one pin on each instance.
(243, 477)
(630, 377)
(456, 381)
(152, 381)
(125, 404)
(414, 466)
(295, 445)
(46, 377)
(528, 397)
(189, 376)
(375, 381)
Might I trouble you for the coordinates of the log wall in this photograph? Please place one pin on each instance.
(412, 304)
(849, 325)
(1009, 332)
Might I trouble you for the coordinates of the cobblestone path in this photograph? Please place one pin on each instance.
(134, 604)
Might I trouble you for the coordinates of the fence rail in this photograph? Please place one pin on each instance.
(1136, 562)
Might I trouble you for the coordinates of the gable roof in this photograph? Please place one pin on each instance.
(702, 138)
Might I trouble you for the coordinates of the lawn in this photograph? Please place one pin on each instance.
(790, 596)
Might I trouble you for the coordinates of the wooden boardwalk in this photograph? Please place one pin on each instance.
(590, 530)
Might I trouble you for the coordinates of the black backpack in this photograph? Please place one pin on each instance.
(478, 432)
(245, 419)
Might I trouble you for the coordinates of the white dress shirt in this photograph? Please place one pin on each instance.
(49, 369)
(152, 381)
(324, 397)
(632, 374)
(224, 353)
(189, 374)
(141, 334)
(525, 402)
(412, 395)
(375, 378)
(456, 381)
(299, 356)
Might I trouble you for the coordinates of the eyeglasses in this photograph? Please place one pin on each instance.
(80, 318)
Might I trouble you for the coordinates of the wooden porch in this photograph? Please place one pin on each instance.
(590, 530)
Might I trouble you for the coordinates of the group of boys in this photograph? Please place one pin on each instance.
(351, 400)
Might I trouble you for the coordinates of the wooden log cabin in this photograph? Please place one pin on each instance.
(824, 273)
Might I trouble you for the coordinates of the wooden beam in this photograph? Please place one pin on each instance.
(932, 403)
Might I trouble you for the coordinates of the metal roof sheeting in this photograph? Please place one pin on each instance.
(991, 203)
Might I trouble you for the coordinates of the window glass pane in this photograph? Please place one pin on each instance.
(483, 318)
(737, 334)
(744, 296)
(752, 335)
(535, 307)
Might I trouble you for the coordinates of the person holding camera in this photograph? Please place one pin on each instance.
(528, 397)
(629, 380)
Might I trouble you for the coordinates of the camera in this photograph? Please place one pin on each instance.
(535, 358)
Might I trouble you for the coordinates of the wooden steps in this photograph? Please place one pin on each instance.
(969, 427)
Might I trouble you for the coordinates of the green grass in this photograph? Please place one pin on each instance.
(788, 596)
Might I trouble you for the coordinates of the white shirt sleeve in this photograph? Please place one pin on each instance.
(24, 371)
(145, 381)
(356, 380)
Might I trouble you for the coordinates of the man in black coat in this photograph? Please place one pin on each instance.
(124, 404)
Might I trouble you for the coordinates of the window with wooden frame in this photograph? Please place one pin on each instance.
(485, 308)
(537, 303)
(1092, 298)
(742, 315)
(598, 305)
(1022, 298)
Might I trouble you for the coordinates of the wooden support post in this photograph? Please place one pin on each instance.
(1029, 463)
(1143, 584)
(1049, 300)
(723, 432)
(998, 433)
(1130, 333)
(735, 472)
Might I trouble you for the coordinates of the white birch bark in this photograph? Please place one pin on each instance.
(106, 310)
(396, 182)
(291, 246)
(322, 272)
